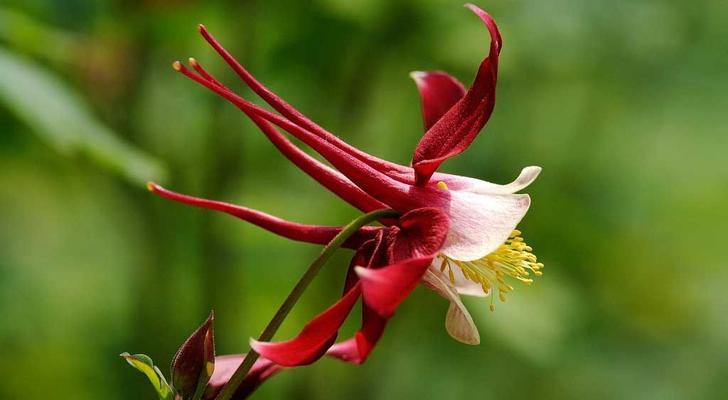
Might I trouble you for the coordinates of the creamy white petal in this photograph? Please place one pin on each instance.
(462, 285)
(525, 178)
(480, 222)
(464, 183)
(458, 322)
(467, 287)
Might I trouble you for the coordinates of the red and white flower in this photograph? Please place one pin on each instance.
(457, 235)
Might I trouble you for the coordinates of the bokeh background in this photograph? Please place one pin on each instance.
(622, 103)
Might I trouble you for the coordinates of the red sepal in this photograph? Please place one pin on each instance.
(455, 130)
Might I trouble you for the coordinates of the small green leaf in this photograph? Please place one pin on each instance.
(144, 364)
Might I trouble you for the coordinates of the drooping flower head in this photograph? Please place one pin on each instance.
(457, 235)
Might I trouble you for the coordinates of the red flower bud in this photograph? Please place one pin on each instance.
(194, 362)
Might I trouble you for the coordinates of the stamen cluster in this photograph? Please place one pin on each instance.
(513, 258)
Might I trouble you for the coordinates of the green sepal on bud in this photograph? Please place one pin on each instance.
(194, 362)
(144, 364)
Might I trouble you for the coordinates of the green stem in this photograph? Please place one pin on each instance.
(229, 389)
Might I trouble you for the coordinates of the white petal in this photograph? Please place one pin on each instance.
(458, 322)
(462, 285)
(480, 222)
(464, 183)
(525, 178)
(467, 287)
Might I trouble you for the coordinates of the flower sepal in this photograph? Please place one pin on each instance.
(194, 362)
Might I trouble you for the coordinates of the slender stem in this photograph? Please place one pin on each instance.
(229, 389)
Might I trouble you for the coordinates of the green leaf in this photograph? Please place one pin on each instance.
(56, 113)
(144, 364)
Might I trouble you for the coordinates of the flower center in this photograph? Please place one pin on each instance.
(513, 258)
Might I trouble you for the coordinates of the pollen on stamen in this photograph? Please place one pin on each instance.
(514, 258)
(177, 66)
(193, 62)
(442, 185)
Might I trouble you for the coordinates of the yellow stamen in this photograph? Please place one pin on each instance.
(513, 258)
(442, 185)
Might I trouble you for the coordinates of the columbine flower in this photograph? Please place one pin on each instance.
(457, 234)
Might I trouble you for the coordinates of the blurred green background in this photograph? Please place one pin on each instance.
(622, 103)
